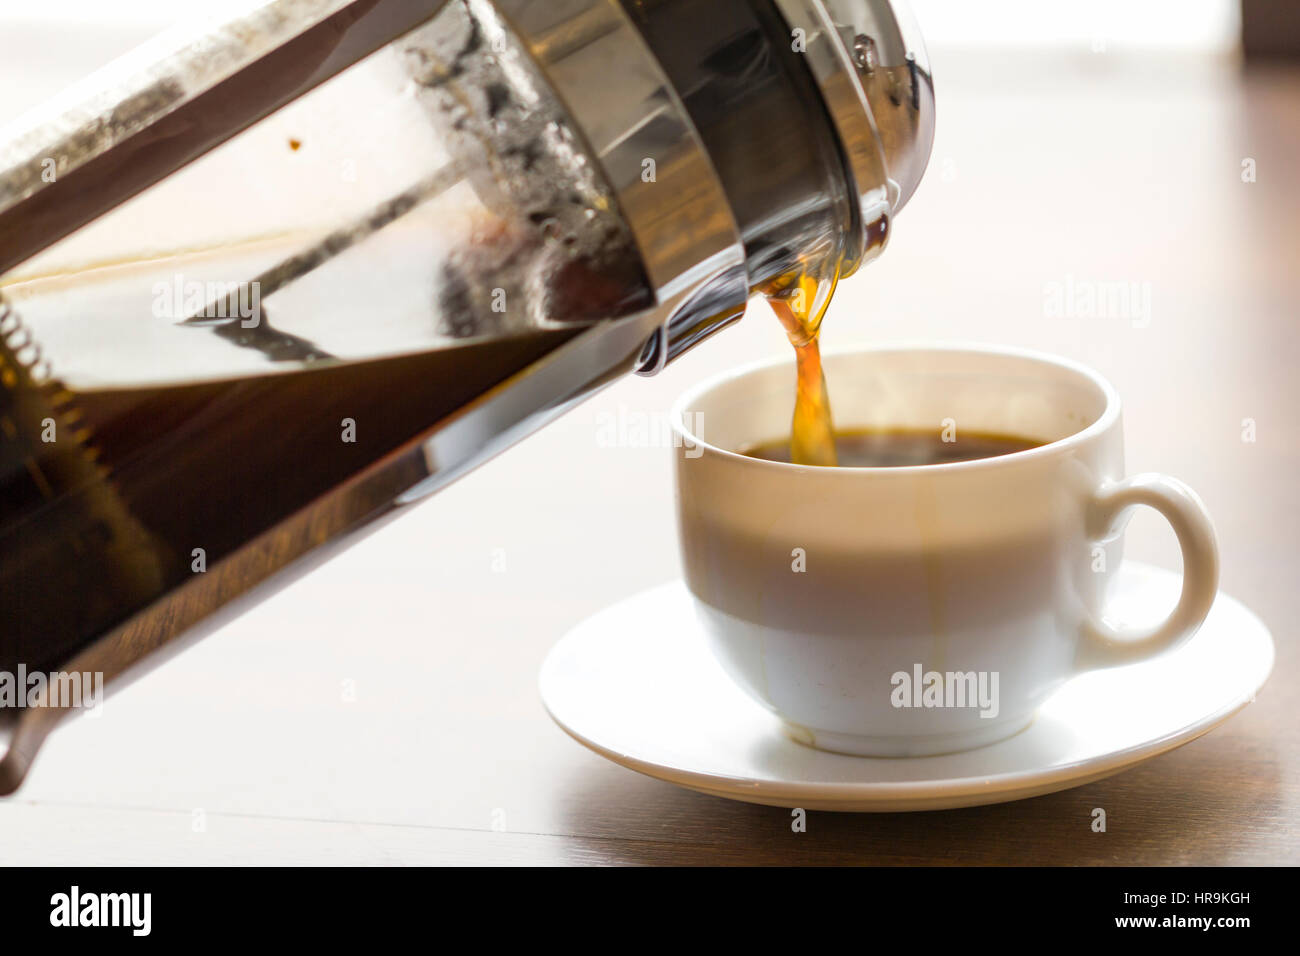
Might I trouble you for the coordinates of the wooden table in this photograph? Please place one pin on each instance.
(384, 709)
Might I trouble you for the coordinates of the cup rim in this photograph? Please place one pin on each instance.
(1109, 415)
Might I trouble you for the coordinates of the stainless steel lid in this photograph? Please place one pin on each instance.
(871, 66)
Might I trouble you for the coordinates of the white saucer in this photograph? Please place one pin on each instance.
(636, 683)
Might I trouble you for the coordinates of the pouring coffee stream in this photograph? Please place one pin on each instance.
(156, 477)
(800, 310)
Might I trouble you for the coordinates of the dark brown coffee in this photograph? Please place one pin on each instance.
(99, 523)
(899, 447)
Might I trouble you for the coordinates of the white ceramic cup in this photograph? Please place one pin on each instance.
(919, 610)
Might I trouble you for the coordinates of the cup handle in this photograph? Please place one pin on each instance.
(1105, 644)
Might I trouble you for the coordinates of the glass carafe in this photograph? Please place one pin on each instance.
(236, 332)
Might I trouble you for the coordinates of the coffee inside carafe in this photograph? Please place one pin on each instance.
(113, 497)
